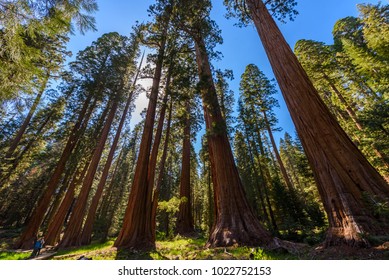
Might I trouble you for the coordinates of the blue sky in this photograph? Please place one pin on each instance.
(241, 46)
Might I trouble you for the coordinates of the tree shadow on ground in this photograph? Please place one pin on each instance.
(127, 254)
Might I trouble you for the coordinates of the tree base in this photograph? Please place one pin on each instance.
(26, 244)
(224, 236)
(138, 245)
(341, 236)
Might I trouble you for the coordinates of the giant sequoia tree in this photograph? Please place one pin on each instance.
(235, 222)
(344, 177)
(118, 53)
(137, 229)
(329, 75)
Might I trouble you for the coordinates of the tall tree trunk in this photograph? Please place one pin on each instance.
(19, 157)
(58, 197)
(278, 157)
(15, 142)
(55, 225)
(350, 111)
(184, 224)
(266, 177)
(86, 235)
(235, 221)
(343, 175)
(161, 173)
(27, 238)
(73, 231)
(110, 202)
(211, 204)
(260, 182)
(136, 231)
(292, 163)
(158, 133)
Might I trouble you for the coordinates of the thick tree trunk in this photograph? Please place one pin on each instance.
(27, 238)
(235, 221)
(73, 231)
(350, 111)
(184, 224)
(112, 200)
(55, 225)
(136, 232)
(343, 175)
(60, 194)
(158, 133)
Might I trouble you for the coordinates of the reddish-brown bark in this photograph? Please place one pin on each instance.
(73, 231)
(344, 177)
(235, 222)
(161, 173)
(111, 200)
(86, 235)
(60, 194)
(136, 231)
(158, 133)
(27, 238)
(56, 223)
(351, 113)
(184, 224)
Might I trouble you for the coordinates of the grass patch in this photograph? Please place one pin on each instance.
(14, 255)
(84, 250)
(178, 248)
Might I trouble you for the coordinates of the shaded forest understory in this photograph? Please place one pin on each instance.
(77, 173)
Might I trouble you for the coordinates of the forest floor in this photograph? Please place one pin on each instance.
(181, 248)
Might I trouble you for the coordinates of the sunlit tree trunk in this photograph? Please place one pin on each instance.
(344, 177)
(136, 231)
(235, 221)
